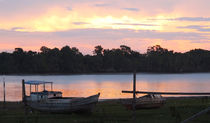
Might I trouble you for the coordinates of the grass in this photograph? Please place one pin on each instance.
(174, 111)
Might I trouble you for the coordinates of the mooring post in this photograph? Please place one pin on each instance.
(4, 92)
(51, 87)
(134, 97)
(44, 86)
(24, 100)
(30, 89)
(23, 91)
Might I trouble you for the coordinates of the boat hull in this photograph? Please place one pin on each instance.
(144, 106)
(65, 105)
(145, 102)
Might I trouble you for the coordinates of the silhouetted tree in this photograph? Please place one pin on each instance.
(98, 50)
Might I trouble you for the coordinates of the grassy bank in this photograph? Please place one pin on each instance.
(174, 111)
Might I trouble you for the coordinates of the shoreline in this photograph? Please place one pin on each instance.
(102, 73)
(172, 111)
(118, 99)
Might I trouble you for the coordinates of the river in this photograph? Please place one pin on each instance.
(109, 85)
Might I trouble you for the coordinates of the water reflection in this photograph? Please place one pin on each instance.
(110, 86)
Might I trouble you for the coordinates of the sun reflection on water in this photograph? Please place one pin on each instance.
(110, 86)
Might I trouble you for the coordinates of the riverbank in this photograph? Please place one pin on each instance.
(99, 73)
(111, 111)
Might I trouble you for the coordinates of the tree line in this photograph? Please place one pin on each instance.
(69, 60)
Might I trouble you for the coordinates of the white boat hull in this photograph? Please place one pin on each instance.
(65, 105)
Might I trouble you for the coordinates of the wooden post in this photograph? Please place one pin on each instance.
(44, 86)
(196, 115)
(168, 93)
(23, 91)
(134, 97)
(24, 99)
(30, 89)
(51, 87)
(4, 90)
(36, 88)
(4, 104)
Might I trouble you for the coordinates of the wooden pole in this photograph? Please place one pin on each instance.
(196, 115)
(24, 99)
(4, 90)
(134, 97)
(23, 91)
(44, 86)
(51, 87)
(4, 104)
(166, 93)
(30, 89)
(35, 88)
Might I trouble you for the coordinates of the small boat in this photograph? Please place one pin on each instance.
(52, 101)
(149, 101)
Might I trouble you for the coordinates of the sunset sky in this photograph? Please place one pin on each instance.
(179, 25)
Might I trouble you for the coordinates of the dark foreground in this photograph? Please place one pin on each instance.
(174, 111)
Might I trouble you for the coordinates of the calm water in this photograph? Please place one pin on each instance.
(109, 85)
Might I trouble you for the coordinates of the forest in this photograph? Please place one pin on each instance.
(69, 60)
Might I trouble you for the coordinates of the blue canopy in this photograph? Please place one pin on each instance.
(36, 82)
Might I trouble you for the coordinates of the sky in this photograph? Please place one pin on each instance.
(179, 25)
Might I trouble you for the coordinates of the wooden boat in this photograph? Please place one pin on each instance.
(149, 101)
(52, 101)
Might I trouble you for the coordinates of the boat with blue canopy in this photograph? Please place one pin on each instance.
(53, 101)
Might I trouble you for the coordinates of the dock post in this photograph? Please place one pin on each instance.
(134, 97)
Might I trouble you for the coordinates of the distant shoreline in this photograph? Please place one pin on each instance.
(123, 60)
(101, 73)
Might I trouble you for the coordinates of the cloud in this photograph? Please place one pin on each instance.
(17, 28)
(118, 34)
(197, 27)
(201, 42)
(106, 34)
(86, 39)
(80, 23)
(131, 9)
(69, 8)
(135, 24)
(111, 21)
(193, 19)
(102, 5)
